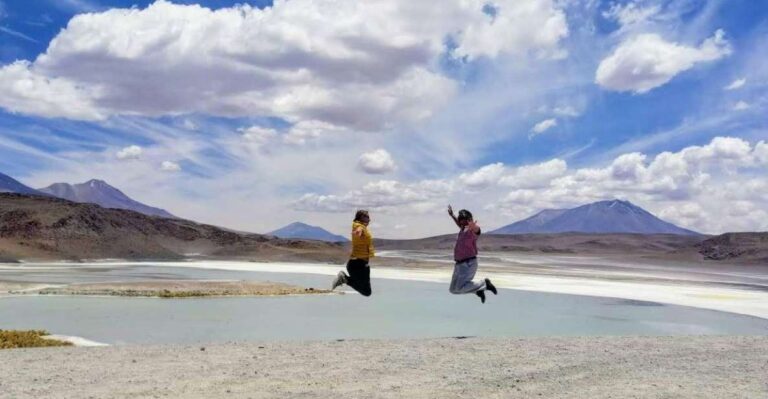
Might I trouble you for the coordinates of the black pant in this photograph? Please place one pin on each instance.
(359, 276)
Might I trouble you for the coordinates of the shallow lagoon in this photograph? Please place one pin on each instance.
(398, 309)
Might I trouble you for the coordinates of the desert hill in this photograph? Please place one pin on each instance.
(34, 227)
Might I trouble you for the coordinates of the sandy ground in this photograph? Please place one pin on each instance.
(604, 367)
(160, 287)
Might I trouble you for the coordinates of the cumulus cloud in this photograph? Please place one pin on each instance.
(647, 61)
(523, 25)
(130, 152)
(543, 126)
(736, 84)
(169, 166)
(24, 90)
(380, 195)
(376, 162)
(483, 177)
(723, 177)
(536, 175)
(361, 67)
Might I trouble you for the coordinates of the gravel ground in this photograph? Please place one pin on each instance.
(590, 367)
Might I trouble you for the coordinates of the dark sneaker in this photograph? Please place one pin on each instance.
(489, 285)
(481, 294)
(340, 279)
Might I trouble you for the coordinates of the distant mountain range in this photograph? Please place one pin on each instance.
(11, 185)
(91, 192)
(614, 216)
(304, 231)
(100, 193)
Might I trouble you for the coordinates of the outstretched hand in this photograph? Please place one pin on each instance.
(472, 224)
(450, 210)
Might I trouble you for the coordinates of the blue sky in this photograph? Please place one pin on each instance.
(253, 115)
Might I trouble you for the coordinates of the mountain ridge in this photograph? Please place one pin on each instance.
(299, 230)
(101, 193)
(11, 185)
(49, 228)
(609, 216)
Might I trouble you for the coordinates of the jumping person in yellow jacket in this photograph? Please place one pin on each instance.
(359, 276)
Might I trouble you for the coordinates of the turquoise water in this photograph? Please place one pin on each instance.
(397, 309)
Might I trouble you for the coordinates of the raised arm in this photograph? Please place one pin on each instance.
(474, 226)
(450, 213)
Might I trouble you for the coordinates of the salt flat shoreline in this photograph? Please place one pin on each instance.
(635, 284)
(584, 367)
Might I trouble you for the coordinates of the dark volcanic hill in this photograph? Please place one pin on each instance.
(614, 216)
(100, 193)
(743, 246)
(307, 232)
(34, 227)
(11, 185)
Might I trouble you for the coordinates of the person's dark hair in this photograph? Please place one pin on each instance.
(359, 215)
(465, 215)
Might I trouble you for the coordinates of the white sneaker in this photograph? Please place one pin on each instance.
(340, 279)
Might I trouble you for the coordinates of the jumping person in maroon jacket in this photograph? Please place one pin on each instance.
(465, 255)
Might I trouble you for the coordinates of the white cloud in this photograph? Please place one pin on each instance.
(543, 126)
(357, 67)
(259, 136)
(523, 25)
(306, 131)
(723, 178)
(130, 152)
(536, 175)
(189, 124)
(736, 84)
(483, 177)
(168, 166)
(647, 61)
(376, 162)
(16, 33)
(382, 195)
(631, 13)
(566, 110)
(741, 106)
(24, 90)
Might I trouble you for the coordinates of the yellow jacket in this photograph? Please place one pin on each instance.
(362, 247)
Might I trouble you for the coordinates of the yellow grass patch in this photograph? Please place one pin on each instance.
(10, 339)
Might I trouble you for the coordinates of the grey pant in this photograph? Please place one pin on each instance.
(463, 273)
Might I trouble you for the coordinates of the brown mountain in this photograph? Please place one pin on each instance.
(35, 227)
